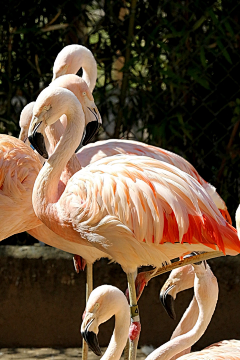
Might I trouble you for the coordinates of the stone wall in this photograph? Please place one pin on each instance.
(42, 300)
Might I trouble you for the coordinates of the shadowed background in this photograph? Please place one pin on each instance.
(42, 300)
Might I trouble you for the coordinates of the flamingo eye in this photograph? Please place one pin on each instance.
(47, 107)
(84, 93)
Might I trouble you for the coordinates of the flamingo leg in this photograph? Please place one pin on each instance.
(135, 326)
(89, 289)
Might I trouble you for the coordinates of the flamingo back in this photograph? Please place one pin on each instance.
(224, 350)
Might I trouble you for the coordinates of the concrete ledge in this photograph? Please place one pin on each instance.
(42, 300)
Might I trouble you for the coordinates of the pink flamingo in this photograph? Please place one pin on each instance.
(69, 60)
(181, 279)
(103, 304)
(137, 209)
(53, 134)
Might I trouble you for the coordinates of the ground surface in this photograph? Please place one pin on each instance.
(50, 353)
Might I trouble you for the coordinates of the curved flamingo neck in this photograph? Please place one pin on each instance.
(89, 68)
(120, 334)
(186, 323)
(89, 76)
(206, 293)
(46, 191)
(53, 134)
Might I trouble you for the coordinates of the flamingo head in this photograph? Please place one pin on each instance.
(103, 303)
(50, 105)
(180, 279)
(25, 119)
(81, 90)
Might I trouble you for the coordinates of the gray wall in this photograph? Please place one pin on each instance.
(42, 300)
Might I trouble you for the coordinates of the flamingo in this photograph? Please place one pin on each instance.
(179, 280)
(53, 134)
(73, 57)
(69, 60)
(104, 302)
(101, 307)
(137, 209)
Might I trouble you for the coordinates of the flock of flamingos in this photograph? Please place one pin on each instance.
(130, 202)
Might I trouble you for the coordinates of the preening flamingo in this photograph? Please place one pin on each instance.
(181, 279)
(205, 299)
(138, 210)
(104, 302)
(73, 57)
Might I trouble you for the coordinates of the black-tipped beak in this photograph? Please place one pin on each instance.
(91, 129)
(168, 303)
(91, 339)
(37, 141)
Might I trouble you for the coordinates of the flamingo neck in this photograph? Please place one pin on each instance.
(120, 334)
(46, 191)
(89, 75)
(89, 67)
(206, 293)
(53, 134)
(186, 323)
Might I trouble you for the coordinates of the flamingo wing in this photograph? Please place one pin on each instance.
(102, 149)
(146, 202)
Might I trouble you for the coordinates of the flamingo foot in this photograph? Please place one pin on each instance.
(79, 263)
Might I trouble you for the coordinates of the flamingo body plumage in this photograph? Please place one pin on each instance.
(19, 167)
(139, 210)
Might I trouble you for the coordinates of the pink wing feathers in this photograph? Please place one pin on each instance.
(19, 167)
(154, 202)
(101, 149)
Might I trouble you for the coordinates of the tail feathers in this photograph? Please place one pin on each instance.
(231, 240)
(207, 231)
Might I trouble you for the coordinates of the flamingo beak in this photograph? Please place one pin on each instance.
(91, 339)
(36, 139)
(168, 302)
(93, 126)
